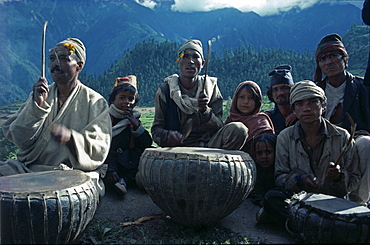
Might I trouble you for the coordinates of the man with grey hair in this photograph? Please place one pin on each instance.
(188, 108)
(62, 125)
(306, 153)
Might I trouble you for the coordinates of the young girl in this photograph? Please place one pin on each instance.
(245, 108)
(129, 138)
(263, 149)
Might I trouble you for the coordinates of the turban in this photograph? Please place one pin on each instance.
(281, 75)
(191, 44)
(306, 90)
(328, 44)
(76, 46)
(130, 79)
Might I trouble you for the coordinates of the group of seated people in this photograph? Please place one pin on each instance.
(295, 145)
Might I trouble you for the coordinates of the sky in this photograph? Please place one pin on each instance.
(261, 7)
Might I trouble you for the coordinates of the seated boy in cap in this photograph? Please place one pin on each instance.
(188, 109)
(346, 94)
(62, 125)
(306, 152)
(282, 115)
(129, 136)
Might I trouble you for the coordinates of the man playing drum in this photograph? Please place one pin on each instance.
(188, 108)
(306, 154)
(346, 93)
(62, 125)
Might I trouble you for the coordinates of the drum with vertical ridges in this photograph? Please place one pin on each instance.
(46, 207)
(197, 186)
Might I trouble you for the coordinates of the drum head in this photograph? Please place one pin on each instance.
(334, 205)
(42, 181)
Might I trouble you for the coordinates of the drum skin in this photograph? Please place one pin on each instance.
(46, 207)
(197, 186)
(319, 218)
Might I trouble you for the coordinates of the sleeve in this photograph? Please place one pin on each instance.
(366, 12)
(285, 172)
(25, 126)
(142, 138)
(159, 133)
(92, 143)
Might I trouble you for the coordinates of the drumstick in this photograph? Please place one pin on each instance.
(207, 59)
(344, 149)
(43, 50)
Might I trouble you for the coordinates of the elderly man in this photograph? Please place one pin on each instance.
(306, 152)
(279, 92)
(346, 93)
(188, 108)
(62, 125)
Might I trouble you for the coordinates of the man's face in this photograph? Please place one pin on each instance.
(191, 64)
(280, 94)
(64, 67)
(332, 64)
(308, 110)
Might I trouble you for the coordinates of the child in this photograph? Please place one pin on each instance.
(129, 138)
(263, 149)
(245, 108)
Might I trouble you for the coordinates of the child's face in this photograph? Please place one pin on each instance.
(265, 154)
(245, 102)
(124, 100)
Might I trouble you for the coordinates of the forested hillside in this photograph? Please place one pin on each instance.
(152, 61)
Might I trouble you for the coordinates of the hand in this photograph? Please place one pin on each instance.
(333, 172)
(40, 91)
(61, 133)
(112, 176)
(202, 102)
(174, 138)
(309, 182)
(289, 120)
(129, 114)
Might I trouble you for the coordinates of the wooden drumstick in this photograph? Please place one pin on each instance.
(43, 50)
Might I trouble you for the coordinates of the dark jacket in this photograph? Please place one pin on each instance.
(356, 102)
(366, 19)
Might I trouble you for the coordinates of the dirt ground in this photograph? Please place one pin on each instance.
(114, 210)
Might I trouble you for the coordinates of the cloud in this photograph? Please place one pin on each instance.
(146, 3)
(261, 7)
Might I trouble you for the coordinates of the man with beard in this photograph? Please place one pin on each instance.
(64, 125)
(346, 94)
(188, 108)
(279, 92)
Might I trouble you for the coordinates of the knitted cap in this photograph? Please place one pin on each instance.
(281, 75)
(130, 79)
(328, 44)
(75, 46)
(306, 90)
(192, 44)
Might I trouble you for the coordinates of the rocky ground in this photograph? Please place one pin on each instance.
(238, 227)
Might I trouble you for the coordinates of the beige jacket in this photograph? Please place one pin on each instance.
(85, 112)
(292, 160)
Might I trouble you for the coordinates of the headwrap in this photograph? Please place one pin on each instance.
(257, 122)
(281, 75)
(306, 90)
(130, 79)
(328, 44)
(191, 44)
(75, 46)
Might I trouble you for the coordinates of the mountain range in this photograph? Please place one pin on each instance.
(110, 28)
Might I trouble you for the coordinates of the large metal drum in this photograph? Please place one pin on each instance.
(46, 207)
(197, 186)
(319, 218)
